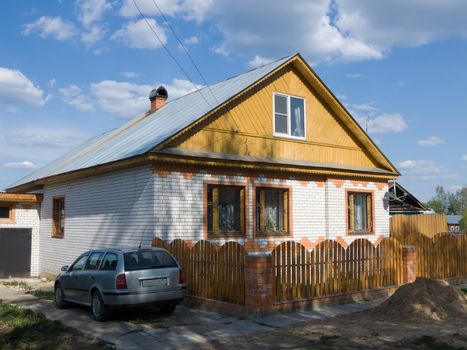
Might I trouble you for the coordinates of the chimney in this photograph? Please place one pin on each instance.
(158, 97)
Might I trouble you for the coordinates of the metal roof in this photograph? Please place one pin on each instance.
(453, 219)
(142, 134)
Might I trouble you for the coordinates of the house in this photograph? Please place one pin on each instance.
(454, 223)
(402, 201)
(263, 157)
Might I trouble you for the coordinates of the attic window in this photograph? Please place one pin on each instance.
(289, 116)
(5, 212)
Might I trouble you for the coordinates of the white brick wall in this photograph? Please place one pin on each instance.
(27, 216)
(121, 208)
(110, 210)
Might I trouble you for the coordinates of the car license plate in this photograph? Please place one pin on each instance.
(155, 282)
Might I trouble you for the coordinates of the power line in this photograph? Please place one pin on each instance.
(184, 48)
(170, 54)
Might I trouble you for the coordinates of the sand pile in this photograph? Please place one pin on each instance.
(424, 299)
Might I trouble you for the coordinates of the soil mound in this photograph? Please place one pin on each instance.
(424, 299)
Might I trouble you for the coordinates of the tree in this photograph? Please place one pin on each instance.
(447, 202)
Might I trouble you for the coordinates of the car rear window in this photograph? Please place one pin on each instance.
(147, 259)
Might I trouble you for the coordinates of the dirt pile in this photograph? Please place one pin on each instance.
(424, 299)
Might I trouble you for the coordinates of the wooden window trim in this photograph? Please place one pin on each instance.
(288, 135)
(243, 218)
(55, 234)
(347, 204)
(263, 234)
(12, 213)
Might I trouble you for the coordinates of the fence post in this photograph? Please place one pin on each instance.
(259, 295)
(409, 258)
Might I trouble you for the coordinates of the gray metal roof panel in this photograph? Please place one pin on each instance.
(144, 133)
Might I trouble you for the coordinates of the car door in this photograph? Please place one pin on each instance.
(70, 280)
(88, 276)
(107, 273)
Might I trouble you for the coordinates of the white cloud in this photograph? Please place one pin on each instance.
(365, 107)
(138, 35)
(387, 122)
(91, 11)
(128, 100)
(52, 82)
(354, 75)
(259, 61)
(15, 87)
(72, 95)
(54, 27)
(424, 170)
(431, 141)
(130, 75)
(188, 9)
(92, 35)
(191, 41)
(401, 23)
(26, 164)
(122, 99)
(12, 110)
(464, 157)
(37, 136)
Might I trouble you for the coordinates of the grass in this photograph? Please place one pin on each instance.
(430, 343)
(464, 290)
(23, 329)
(29, 290)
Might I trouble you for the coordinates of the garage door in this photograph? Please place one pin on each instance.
(15, 252)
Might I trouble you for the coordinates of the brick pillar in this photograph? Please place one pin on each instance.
(409, 257)
(258, 283)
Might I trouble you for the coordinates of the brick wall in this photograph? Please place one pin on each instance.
(27, 216)
(318, 208)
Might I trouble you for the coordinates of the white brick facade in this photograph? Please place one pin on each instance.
(27, 216)
(124, 207)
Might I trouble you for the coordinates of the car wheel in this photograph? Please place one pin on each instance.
(98, 308)
(60, 302)
(167, 308)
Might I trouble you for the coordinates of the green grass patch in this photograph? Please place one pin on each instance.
(430, 343)
(23, 329)
(464, 290)
(18, 284)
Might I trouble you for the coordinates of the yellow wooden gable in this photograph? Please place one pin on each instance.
(244, 126)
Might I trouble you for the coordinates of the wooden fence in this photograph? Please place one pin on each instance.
(443, 256)
(330, 269)
(406, 228)
(209, 272)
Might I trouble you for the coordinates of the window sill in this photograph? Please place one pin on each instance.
(214, 235)
(356, 233)
(290, 137)
(58, 236)
(271, 233)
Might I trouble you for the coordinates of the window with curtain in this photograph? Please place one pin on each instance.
(289, 116)
(272, 210)
(360, 215)
(58, 217)
(225, 209)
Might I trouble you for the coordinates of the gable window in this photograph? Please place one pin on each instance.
(5, 212)
(58, 217)
(225, 209)
(360, 212)
(272, 210)
(289, 116)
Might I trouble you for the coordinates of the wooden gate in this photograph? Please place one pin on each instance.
(209, 272)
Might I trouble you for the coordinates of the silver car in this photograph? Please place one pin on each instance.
(111, 278)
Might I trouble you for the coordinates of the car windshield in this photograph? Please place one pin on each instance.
(148, 259)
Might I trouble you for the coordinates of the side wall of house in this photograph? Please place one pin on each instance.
(109, 210)
(27, 216)
(318, 207)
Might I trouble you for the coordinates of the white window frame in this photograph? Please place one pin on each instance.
(289, 119)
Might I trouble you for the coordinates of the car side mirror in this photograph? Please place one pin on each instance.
(65, 268)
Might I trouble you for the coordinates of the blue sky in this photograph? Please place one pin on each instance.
(73, 69)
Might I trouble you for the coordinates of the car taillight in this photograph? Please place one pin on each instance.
(181, 280)
(121, 281)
